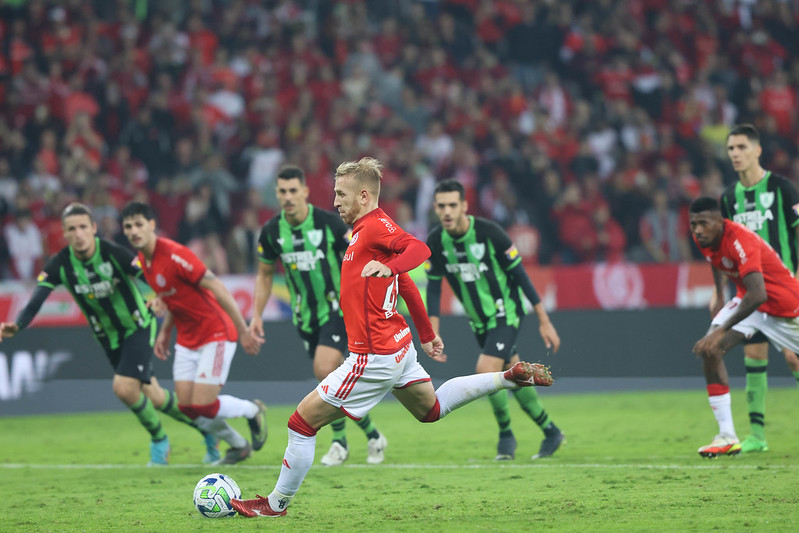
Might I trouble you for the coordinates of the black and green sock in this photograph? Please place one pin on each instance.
(528, 400)
(756, 387)
(796, 377)
(148, 417)
(499, 403)
(366, 425)
(339, 434)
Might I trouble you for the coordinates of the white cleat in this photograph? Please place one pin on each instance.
(336, 455)
(376, 450)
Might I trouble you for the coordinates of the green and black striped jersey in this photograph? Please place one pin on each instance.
(770, 208)
(104, 289)
(476, 266)
(311, 253)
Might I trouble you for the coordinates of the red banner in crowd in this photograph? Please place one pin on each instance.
(589, 286)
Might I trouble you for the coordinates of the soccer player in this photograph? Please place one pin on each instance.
(763, 284)
(382, 356)
(101, 276)
(208, 325)
(311, 244)
(767, 204)
(486, 274)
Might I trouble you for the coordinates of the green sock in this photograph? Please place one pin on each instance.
(528, 399)
(148, 417)
(756, 386)
(499, 402)
(170, 407)
(338, 432)
(366, 425)
(796, 376)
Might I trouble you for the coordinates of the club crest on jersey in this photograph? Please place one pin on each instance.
(315, 237)
(478, 250)
(354, 238)
(727, 262)
(160, 280)
(766, 199)
(105, 269)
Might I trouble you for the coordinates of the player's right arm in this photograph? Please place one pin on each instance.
(263, 290)
(47, 280)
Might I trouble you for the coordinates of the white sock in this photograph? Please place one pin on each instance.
(220, 429)
(722, 410)
(297, 462)
(459, 391)
(232, 407)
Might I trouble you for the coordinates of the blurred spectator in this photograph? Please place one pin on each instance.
(242, 249)
(664, 233)
(25, 248)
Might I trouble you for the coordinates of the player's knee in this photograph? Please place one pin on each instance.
(195, 411)
(433, 415)
(297, 423)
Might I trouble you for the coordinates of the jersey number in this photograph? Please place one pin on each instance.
(390, 301)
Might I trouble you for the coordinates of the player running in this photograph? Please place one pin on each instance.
(101, 276)
(382, 356)
(208, 325)
(486, 274)
(311, 243)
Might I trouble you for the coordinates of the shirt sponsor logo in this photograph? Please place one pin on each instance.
(101, 289)
(754, 220)
(468, 272)
(304, 261)
(401, 335)
(349, 256)
(387, 223)
(182, 262)
(741, 253)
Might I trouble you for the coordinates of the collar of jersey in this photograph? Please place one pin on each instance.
(766, 176)
(468, 231)
(307, 218)
(96, 251)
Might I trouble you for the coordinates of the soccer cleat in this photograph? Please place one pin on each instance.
(159, 452)
(526, 374)
(211, 449)
(258, 428)
(235, 455)
(721, 445)
(375, 450)
(550, 445)
(259, 506)
(506, 448)
(336, 455)
(753, 444)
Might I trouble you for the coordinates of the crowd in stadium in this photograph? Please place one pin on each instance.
(582, 127)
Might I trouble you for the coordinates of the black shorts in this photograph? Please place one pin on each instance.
(332, 333)
(134, 357)
(757, 338)
(499, 341)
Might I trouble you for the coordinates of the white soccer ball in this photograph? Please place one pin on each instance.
(212, 496)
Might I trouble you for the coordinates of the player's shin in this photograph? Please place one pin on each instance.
(459, 391)
(297, 462)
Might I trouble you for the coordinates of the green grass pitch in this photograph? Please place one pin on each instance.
(630, 463)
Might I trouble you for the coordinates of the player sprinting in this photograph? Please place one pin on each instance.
(485, 271)
(767, 300)
(311, 243)
(102, 276)
(208, 324)
(382, 356)
(767, 204)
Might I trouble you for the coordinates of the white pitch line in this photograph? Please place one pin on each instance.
(715, 466)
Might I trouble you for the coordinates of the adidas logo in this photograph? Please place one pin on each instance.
(203, 375)
(324, 388)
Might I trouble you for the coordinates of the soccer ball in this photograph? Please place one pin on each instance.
(212, 496)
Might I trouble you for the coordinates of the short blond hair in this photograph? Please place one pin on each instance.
(368, 171)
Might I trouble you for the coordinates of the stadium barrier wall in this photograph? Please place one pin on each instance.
(62, 369)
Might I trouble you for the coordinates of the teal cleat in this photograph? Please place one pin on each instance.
(159, 452)
(212, 454)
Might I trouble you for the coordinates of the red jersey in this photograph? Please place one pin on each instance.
(742, 252)
(174, 273)
(370, 304)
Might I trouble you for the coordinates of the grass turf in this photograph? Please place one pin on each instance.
(630, 463)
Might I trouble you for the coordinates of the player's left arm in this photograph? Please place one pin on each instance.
(410, 253)
(431, 342)
(209, 281)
